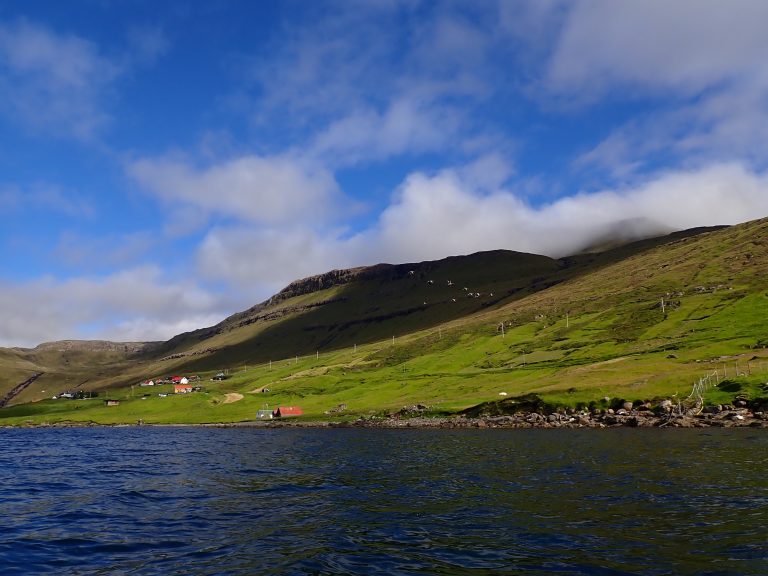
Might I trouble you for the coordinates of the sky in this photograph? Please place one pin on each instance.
(166, 164)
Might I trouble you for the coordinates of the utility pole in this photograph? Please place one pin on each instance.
(270, 365)
(663, 307)
(317, 354)
(355, 348)
(502, 329)
(567, 321)
(393, 340)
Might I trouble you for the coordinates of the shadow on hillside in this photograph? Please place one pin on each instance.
(405, 298)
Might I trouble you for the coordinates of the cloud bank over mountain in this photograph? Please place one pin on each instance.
(144, 195)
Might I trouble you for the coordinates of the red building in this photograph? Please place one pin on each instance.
(283, 411)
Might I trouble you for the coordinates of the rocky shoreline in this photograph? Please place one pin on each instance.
(711, 417)
(725, 419)
(722, 416)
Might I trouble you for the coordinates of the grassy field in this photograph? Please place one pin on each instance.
(571, 335)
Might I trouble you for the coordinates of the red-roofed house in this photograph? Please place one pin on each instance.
(182, 388)
(283, 411)
(179, 380)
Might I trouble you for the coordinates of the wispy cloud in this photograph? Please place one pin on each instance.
(369, 82)
(87, 253)
(406, 126)
(53, 83)
(135, 304)
(42, 196)
(147, 44)
(699, 63)
(605, 45)
(254, 188)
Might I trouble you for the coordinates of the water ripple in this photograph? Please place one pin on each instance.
(171, 501)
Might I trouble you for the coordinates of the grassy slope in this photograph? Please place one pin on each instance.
(618, 341)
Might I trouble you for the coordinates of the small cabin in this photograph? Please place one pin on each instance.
(147, 383)
(182, 388)
(111, 402)
(283, 411)
(264, 415)
(179, 380)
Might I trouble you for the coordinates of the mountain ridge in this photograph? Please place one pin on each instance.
(360, 307)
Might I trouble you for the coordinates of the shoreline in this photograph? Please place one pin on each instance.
(719, 417)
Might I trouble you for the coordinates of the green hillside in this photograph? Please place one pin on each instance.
(641, 321)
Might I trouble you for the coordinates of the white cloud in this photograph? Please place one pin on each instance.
(136, 304)
(451, 212)
(699, 63)
(42, 196)
(684, 46)
(52, 82)
(441, 215)
(261, 261)
(406, 126)
(268, 190)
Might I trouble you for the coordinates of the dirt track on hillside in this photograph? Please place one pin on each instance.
(232, 397)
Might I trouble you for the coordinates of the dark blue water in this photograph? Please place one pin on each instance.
(248, 501)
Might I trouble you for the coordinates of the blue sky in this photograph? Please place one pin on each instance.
(165, 164)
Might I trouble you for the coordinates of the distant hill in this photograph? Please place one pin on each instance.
(640, 316)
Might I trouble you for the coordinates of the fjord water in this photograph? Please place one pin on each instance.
(345, 501)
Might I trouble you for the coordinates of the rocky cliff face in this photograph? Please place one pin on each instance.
(299, 288)
(320, 282)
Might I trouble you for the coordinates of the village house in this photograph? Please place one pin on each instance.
(179, 380)
(111, 402)
(264, 415)
(182, 388)
(147, 383)
(283, 411)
